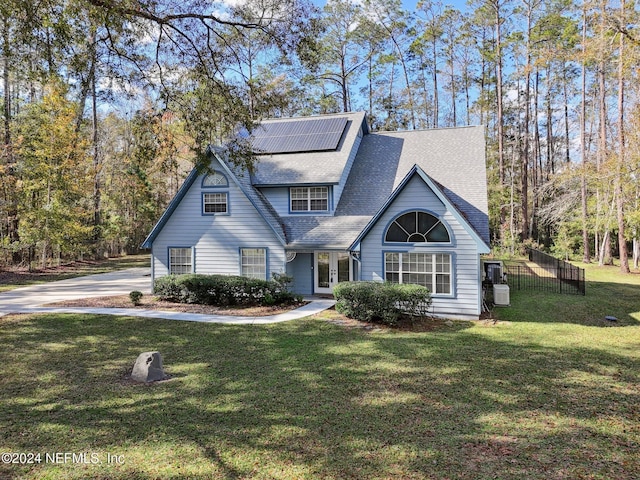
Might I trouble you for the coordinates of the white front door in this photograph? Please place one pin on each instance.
(330, 269)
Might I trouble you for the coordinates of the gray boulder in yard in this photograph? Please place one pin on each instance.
(148, 368)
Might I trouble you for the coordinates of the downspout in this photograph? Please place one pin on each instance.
(355, 255)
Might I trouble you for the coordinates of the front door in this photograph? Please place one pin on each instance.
(330, 269)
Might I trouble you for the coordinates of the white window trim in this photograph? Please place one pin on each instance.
(262, 275)
(308, 198)
(205, 203)
(433, 274)
(188, 264)
(207, 181)
(439, 221)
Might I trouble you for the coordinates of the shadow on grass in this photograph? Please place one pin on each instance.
(13, 278)
(619, 300)
(314, 400)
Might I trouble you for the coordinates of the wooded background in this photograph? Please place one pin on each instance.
(107, 104)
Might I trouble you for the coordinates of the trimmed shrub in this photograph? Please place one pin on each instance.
(135, 297)
(222, 290)
(381, 302)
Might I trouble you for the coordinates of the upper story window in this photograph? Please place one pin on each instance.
(218, 202)
(215, 179)
(309, 199)
(214, 203)
(417, 227)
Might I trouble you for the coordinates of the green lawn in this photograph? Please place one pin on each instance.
(541, 396)
(608, 293)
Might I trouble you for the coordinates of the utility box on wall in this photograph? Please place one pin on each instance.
(501, 295)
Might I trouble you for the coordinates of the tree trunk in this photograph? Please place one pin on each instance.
(565, 95)
(537, 158)
(603, 248)
(524, 159)
(605, 251)
(586, 254)
(343, 82)
(500, 119)
(454, 94)
(622, 241)
(551, 163)
(9, 178)
(97, 191)
(6, 52)
(436, 112)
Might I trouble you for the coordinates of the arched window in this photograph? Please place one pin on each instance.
(215, 179)
(417, 227)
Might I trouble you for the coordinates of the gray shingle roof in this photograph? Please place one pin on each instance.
(308, 167)
(452, 157)
(325, 231)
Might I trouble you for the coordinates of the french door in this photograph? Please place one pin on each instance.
(330, 269)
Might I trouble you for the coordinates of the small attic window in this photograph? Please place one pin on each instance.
(215, 179)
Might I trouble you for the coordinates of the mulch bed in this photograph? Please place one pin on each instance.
(149, 302)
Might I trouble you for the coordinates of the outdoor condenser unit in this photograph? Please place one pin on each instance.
(501, 295)
(493, 271)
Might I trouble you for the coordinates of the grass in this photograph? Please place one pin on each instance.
(608, 292)
(14, 278)
(547, 394)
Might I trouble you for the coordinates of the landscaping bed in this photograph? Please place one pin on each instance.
(150, 302)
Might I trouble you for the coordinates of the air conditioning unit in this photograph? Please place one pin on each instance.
(492, 270)
(501, 295)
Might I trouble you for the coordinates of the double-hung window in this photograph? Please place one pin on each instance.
(432, 270)
(180, 260)
(215, 198)
(309, 199)
(253, 262)
(214, 202)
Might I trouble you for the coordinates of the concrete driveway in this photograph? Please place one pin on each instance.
(30, 300)
(120, 282)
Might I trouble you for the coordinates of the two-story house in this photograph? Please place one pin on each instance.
(329, 201)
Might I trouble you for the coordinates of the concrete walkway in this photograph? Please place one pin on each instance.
(31, 300)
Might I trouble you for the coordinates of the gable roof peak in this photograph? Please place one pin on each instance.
(439, 191)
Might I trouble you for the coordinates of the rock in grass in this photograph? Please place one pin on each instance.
(611, 318)
(148, 368)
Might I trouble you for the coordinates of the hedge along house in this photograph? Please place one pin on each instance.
(329, 201)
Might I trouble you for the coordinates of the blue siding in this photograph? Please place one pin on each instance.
(463, 250)
(278, 197)
(301, 269)
(216, 238)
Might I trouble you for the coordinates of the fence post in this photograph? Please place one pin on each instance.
(560, 277)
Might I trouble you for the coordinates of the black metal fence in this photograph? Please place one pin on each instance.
(550, 274)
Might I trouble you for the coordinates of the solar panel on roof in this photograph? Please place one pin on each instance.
(299, 135)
